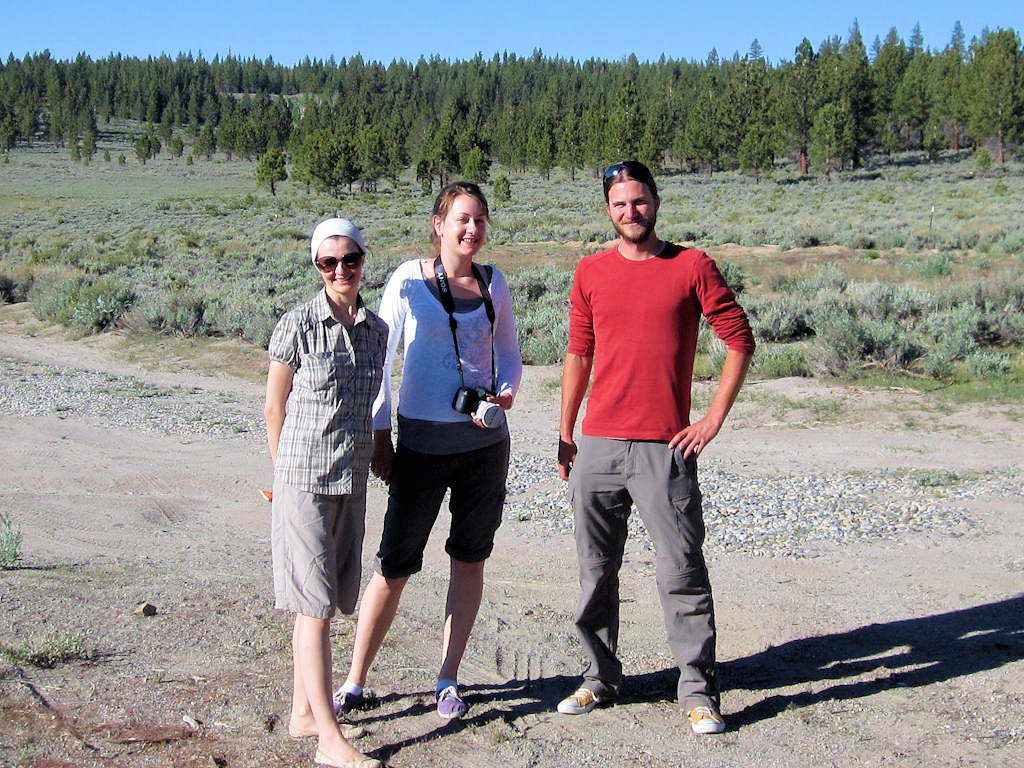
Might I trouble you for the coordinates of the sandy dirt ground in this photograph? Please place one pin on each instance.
(867, 653)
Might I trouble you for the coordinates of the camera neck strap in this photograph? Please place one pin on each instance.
(448, 302)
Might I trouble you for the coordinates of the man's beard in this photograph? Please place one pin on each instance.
(637, 235)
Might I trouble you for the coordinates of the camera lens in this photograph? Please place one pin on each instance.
(491, 414)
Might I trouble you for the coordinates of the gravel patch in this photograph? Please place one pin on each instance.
(784, 516)
(779, 516)
(35, 389)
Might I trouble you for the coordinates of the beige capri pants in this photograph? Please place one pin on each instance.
(316, 542)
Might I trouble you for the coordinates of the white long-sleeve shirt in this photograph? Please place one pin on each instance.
(430, 376)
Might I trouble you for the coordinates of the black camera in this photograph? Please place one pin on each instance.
(468, 398)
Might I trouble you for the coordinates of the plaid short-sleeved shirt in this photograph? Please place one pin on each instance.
(327, 435)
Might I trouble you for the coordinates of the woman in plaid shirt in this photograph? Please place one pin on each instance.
(326, 366)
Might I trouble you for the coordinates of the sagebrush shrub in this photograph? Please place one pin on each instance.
(778, 321)
(954, 331)
(984, 365)
(937, 365)
(735, 276)
(10, 541)
(885, 301)
(179, 311)
(776, 361)
(78, 300)
(540, 300)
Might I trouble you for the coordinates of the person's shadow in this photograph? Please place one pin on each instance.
(908, 653)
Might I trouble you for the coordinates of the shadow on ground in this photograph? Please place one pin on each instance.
(909, 653)
(854, 664)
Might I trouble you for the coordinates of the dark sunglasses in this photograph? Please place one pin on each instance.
(352, 260)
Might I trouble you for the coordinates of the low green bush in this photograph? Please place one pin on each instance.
(885, 301)
(850, 342)
(937, 365)
(10, 541)
(986, 365)
(735, 276)
(954, 331)
(91, 304)
(180, 312)
(540, 301)
(778, 321)
(50, 649)
(777, 361)
(543, 334)
(827, 277)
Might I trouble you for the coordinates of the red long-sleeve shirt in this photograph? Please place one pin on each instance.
(639, 320)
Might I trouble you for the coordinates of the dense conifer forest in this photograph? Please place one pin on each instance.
(348, 122)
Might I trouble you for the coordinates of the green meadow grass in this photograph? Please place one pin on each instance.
(904, 267)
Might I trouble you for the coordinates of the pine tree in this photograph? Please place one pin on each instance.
(855, 83)
(206, 142)
(570, 145)
(657, 135)
(948, 86)
(271, 169)
(372, 150)
(147, 146)
(8, 133)
(887, 74)
(227, 133)
(701, 139)
(996, 76)
(27, 111)
(502, 190)
(800, 98)
(625, 123)
(477, 165)
(327, 161)
(442, 151)
(89, 145)
(540, 142)
(830, 139)
(912, 104)
(593, 130)
(757, 150)
(745, 115)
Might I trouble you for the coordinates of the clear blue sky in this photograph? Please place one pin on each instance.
(383, 30)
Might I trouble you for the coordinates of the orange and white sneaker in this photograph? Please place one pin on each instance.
(579, 703)
(706, 720)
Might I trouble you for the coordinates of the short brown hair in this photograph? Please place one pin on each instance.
(444, 201)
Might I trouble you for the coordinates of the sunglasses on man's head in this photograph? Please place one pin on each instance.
(631, 167)
(352, 260)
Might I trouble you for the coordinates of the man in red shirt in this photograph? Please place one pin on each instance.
(633, 323)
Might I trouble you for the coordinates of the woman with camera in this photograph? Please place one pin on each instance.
(460, 373)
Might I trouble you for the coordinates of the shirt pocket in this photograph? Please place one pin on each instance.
(318, 375)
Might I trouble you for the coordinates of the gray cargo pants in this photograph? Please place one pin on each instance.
(607, 477)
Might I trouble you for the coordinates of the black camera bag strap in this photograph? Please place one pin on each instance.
(449, 306)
